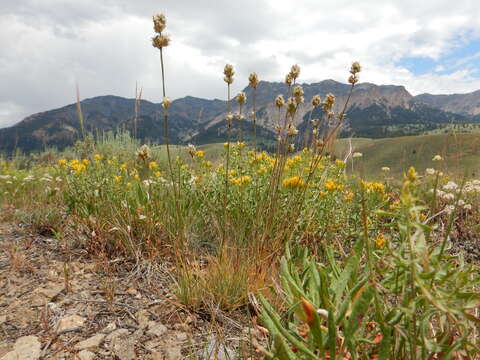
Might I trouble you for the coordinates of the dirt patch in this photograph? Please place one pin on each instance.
(77, 307)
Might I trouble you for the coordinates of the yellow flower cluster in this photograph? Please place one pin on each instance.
(380, 241)
(294, 160)
(200, 154)
(373, 186)
(333, 185)
(242, 180)
(294, 182)
(152, 165)
(78, 166)
(348, 196)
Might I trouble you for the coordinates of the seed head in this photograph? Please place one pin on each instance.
(253, 80)
(357, 155)
(292, 131)
(166, 103)
(291, 148)
(241, 98)
(228, 71)
(356, 68)
(240, 117)
(328, 102)
(279, 101)
(314, 122)
(229, 118)
(143, 152)
(295, 71)
(159, 23)
(353, 79)
(385, 169)
(289, 79)
(437, 158)
(298, 91)
(160, 41)
(316, 100)
(291, 106)
(191, 149)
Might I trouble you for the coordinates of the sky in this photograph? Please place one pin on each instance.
(47, 46)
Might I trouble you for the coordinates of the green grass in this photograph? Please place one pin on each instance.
(460, 151)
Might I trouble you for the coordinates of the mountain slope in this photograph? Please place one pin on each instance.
(374, 111)
(468, 104)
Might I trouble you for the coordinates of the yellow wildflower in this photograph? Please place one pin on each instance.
(240, 144)
(117, 178)
(123, 166)
(152, 165)
(97, 157)
(294, 182)
(200, 154)
(340, 163)
(332, 185)
(348, 196)
(62, 162)
(262, 170)
(380, 241)
(158, 174)
(373, 186)
(242, 180)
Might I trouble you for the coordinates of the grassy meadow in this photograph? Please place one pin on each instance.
(325, 262)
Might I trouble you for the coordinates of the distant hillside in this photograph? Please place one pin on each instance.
(467, 104)
(461, 153)
(375, 111)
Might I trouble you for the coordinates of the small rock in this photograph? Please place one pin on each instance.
(110, 328)
(52, 291)
(124, 347)
(156, 329)
(26, 348)
(86, 355)
(93, 342)
(70, 322)
(117, 333)
(143, 317)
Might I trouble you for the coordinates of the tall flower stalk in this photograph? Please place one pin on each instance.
(160, 41)
(228, 71)
(253, 82)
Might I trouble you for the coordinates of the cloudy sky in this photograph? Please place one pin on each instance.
(104, 45)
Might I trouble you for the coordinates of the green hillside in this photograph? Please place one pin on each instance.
(460, 151)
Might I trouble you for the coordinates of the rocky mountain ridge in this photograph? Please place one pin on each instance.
(374, 111)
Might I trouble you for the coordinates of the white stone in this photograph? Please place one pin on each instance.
(86, 355)
(94, 341)
(26, 348)
(70, 322)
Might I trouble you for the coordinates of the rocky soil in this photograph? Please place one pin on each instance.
(56, 303)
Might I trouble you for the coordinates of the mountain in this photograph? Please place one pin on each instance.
(467, 104)
(374, 111)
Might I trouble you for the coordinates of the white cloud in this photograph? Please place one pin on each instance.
(47, 46)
